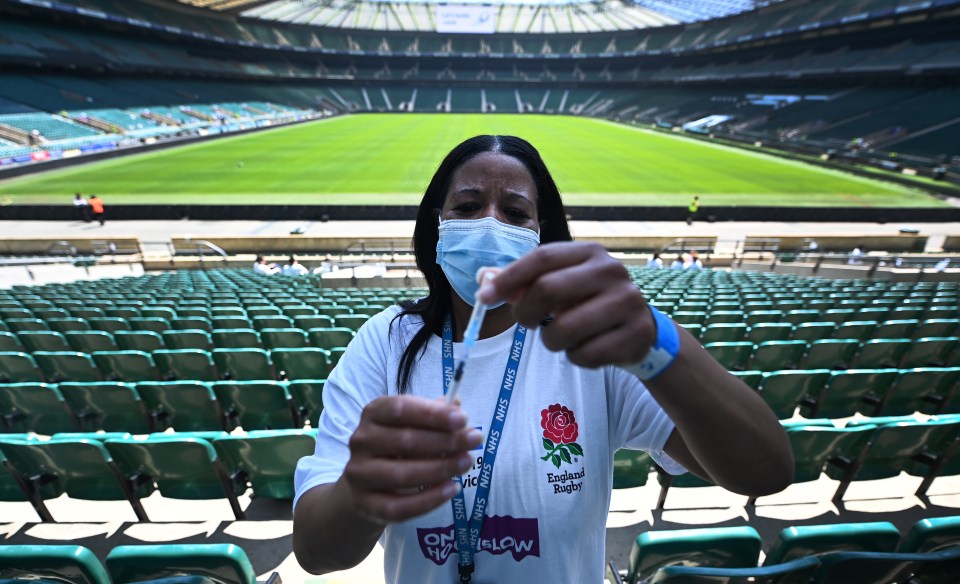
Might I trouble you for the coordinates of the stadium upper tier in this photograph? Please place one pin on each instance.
(526, 39)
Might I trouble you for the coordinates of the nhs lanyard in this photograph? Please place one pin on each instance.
(468, 534)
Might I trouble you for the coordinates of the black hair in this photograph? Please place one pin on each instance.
(259, 259)
(435, 307)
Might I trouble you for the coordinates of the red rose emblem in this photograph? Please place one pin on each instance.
(559, 424)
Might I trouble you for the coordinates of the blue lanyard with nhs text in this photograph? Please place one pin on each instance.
(468, 534)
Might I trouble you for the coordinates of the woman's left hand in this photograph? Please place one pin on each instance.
(599, 316)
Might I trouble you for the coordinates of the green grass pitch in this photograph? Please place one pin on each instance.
(388, 159)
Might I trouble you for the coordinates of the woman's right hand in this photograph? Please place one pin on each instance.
(403, 454)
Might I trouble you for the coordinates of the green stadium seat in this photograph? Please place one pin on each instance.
(145, 341)
(87, 312)
(920, 390)
(295, 311)
(188, 339)
(81, 469)
(758, 316)
(799, 571)
(267, 459)
(256, 405)
(107, 406)
(893, 448)
(34, 407)
(895, 329)
(60, 366)
(813, 540)
(163, 312)
(931, 535)
(844, 567)
(185, 406)
(19, 325)
(334, 356)
(181, 467)
(10, 343)
(751, 378)
(352, 321)
(796, 317)
(817, 446)
(830, 354)
(631, 468)
(813, 331)
(186, 364)
(210, 563)
(65, 325)
(768, 331)
(153, 324)
(306, 363)
(244, 364)
(43, 341)
(784, 390)
(230, 322)
(721, 547)
(263, 311)
(109, 324)
(232, 310)
(856, 329)
(682, 317)
(837, 315)
(191, 323)
(330, 337)
(275, 321)
(90, 341)
(240, 338)
(50, 563)
(122, 312)
(881, 353)
(16, 367)
(732, 356)
(693, 329)
(725, 316)
(126, 366)
(723, 333)
(308, 396)
(937, 327)
(929, 352)
(777, 355)
(284, 338)
(310, 322)
(851, 391)
(193, 312)
(18, 312)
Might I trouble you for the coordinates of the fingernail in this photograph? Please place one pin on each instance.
(474, 438)
(450, 489)
(487, 293)
(465, 462)
(457, 419)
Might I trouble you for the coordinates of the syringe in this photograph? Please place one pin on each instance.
(470, 334)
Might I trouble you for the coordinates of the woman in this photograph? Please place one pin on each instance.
(532, 466)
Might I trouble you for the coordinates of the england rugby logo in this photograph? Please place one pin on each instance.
(560, 433)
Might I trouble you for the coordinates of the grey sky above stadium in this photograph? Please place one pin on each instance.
(483, 16)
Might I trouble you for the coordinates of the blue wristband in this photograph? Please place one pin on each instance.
(663, 351)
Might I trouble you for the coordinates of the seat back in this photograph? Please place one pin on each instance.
(631, 468)
(725, 547)
(59, 563)
(267, 459)
(932, 534)
(256, 405)
(221, 563)
(34, 407)
(110, 406)
(185, 406)
(811, 540)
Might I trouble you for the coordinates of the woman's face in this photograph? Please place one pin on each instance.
(495, 185)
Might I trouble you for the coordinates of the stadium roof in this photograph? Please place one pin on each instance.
(483, 16)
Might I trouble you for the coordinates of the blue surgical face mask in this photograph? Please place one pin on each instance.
(466, 245)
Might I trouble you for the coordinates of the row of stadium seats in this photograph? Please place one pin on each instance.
(151, 406)
(929, 551)
(183, 465)
(128, 564)
(217, 465)
(169, 364)
(842, 553)
(862, 449)
(88, 341)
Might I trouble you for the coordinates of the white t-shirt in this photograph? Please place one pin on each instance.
(294, 270)
(264, 269)
(546, 516)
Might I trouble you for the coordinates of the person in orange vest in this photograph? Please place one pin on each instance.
(96, 206)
